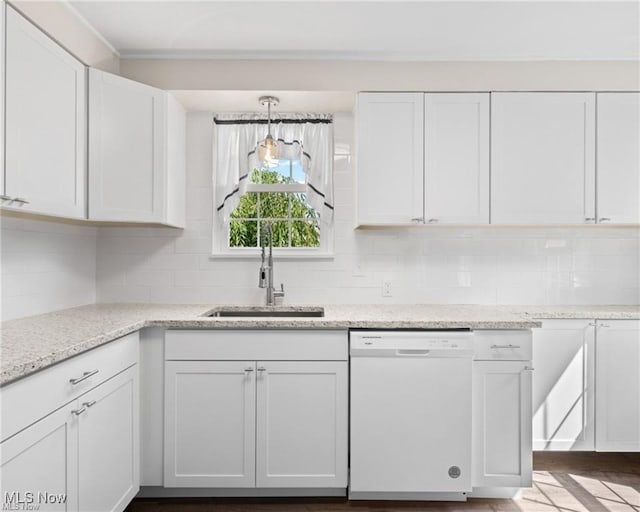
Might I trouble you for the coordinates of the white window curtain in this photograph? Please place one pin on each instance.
(308, 137)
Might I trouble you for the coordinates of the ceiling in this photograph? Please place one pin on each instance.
(368, 30)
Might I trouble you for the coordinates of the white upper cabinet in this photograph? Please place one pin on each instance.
(542, 158)
(45, 133)
(136, 170)
(618, 158)
(390, 181)
(423, 158)
(456, 153)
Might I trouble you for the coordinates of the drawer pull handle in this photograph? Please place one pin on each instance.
(248, 369)
(506, 346)
(417, 219)
(433, 221)
(78, 412)
(89, 404)
(604, 219)
(262, 369)
(85, 376)
(590, 219)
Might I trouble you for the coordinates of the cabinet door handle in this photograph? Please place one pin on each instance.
(20, 200)
(262, 369)
(85, 376)
(528, 369)
(602, 325)
(505, 346)
(247, 370)
(5, 198)
(604, 219)
(417, 219)
(589, 219)
(89, 404)
(78, 412)
(433, 221)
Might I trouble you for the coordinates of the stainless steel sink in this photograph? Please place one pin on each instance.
(267, 312)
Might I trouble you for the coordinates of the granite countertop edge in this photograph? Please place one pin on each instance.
(71, 342)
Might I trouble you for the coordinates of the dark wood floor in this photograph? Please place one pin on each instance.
(563, 482)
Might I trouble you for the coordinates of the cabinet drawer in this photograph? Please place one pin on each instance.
(503, 345)
(28, 400)
(290, 345)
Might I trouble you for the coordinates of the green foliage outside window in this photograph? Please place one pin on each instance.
(294, 222)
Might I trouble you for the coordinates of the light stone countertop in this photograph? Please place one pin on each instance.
(33, 343)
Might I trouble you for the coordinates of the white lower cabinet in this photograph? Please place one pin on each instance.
(564, 385)
(301, 439)
(501, 424)
(210, 424)
(586, 386)
(83, 456)
(108, 444)
(618, 386)
(237, 422)
(42, 460)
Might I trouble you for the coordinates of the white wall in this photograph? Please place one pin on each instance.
(45, 266)
(316, 75)
(492, 265)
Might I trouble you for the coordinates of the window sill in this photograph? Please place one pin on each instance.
(276, 256)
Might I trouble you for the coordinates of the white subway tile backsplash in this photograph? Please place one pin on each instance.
(45, 266)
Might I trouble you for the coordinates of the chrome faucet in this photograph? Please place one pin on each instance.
(265, 279)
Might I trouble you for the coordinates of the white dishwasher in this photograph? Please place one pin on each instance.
(410, 414)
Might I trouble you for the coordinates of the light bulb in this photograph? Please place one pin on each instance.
(268, 152)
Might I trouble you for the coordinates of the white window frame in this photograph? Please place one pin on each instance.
(221, 247)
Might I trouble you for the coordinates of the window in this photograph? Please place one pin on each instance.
(275, 196)
(294, 200)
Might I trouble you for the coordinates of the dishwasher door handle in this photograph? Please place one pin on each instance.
(412, 352)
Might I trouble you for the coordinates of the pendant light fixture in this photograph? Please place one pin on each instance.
(268, 149)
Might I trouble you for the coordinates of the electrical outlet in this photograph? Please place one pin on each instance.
(386, 288)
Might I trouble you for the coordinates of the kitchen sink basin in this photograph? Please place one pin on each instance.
(267, 312)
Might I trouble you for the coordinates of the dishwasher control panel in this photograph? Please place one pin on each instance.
(408, 343)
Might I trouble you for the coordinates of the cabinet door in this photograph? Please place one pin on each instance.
(39, 464)
(108, 444)
(563, 385)
(542, 158)
(302, 424)
(209, 424)
(127, 120)
(618, 386)
(501, 424)
(45, 132)
(618, 157)
(389, 162)
(456, 174)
